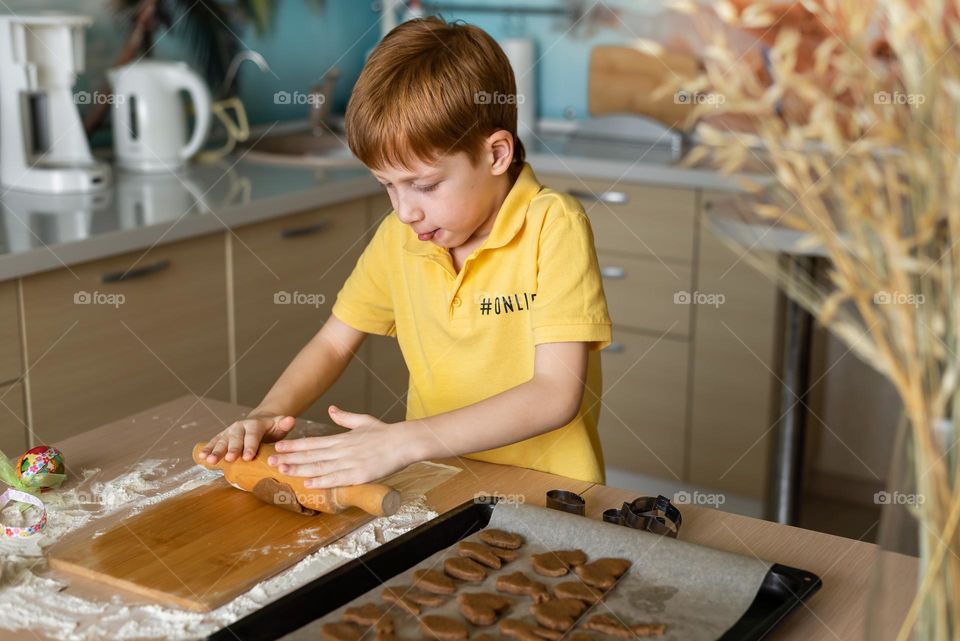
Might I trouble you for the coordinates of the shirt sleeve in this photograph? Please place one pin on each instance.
(570, 305)
(365, 302)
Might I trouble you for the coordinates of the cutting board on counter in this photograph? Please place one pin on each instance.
(624, 80)
(202, 548)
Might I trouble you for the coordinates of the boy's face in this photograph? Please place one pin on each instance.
(451, 201)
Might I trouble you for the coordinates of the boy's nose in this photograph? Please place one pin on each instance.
(409, 214)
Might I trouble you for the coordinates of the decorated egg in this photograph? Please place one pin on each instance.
(38, 461)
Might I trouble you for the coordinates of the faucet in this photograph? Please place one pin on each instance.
(319, 101)
(234, 66)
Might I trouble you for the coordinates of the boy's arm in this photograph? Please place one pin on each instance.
(315, 368)
(372, 449)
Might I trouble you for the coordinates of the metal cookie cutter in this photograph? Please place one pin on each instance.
(653, 514)
(566, 501)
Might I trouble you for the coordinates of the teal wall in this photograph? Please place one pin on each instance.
(306, 42)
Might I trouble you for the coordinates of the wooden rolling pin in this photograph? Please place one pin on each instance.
(267, 483)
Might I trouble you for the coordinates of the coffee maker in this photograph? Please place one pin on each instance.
(43, 146)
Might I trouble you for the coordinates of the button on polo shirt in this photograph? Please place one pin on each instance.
(470, 335)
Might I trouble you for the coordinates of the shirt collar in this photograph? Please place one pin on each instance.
(509, 220)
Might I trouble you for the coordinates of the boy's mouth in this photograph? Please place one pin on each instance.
(428, 235)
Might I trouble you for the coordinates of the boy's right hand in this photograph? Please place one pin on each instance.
(246, 435)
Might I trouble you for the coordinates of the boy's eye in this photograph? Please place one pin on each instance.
(426, 187)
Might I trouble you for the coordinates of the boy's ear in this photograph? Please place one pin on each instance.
(500, 150)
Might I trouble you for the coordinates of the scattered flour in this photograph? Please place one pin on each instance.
(39, 603)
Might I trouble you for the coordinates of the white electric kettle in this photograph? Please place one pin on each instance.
(149, 123)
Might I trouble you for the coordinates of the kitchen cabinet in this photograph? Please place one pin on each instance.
(13, 420)
(10, 352)
(108, 338)
(645, 294)
(688, 381)
(733, 378)
(285, 277)
(641, 421)
(638, 220)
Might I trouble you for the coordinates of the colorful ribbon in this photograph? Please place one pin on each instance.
(25, 499)
(32, 484)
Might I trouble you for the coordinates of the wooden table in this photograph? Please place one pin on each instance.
(836, 612)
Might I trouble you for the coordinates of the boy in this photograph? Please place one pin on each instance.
(488, 280)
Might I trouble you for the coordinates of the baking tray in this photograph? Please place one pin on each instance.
(782, 589)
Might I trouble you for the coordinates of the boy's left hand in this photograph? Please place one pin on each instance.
(371, 450)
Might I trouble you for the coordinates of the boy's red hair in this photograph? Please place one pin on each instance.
(430, 89)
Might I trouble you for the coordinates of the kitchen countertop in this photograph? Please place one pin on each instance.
(40, 232)
(837, 611)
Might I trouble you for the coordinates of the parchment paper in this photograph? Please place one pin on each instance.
(697, 591)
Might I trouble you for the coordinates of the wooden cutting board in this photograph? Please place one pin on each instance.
(624, 79)
(201, 549)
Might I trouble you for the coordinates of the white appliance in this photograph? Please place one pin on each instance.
(43, 146)
(149, 122)
(34, 220)
(148, 199)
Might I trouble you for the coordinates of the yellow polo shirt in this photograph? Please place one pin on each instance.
(470, 335)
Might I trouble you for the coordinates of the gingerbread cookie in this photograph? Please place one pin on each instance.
(481, 553)
(482, 608)
(558, 614)
(557, 563)
(525, 632)
(577, 590)
(505, 555)
(443, 628)
(434, 581)
(602, 573)
(501, 539)
(608, 624)
(520, 583)
(366, 614)
(464, 569)
(400, 596)
(341, 631)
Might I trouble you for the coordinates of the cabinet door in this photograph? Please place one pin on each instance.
(286, 276)
(112, 337)
(10, 363)
(635, 219)
(733, 379)
(646, 294)
(13, 421)
(643, 416)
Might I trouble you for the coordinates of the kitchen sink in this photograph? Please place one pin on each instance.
(301, 147)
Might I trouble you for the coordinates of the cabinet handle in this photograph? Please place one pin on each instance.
(611, 197)
(613, 272)
(615, 348)
(146, 270)
(306, 230)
